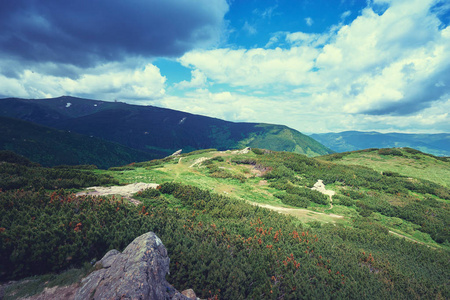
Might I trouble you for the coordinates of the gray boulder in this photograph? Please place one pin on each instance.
(139, 272)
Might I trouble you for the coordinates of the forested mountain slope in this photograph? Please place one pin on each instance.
(156, 130)
(51, 147)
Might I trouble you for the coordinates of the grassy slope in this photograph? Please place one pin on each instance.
(256, 190)
(417, 165)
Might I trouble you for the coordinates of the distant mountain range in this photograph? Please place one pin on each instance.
(157, 131)
(436, 144)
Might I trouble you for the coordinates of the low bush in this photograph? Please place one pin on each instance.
(390, 151)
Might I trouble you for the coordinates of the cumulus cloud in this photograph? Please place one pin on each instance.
(392, 61)
(198, 80)
(109, 81)
(309, 21)
(86, 33)
(226, 105)
(255, 67)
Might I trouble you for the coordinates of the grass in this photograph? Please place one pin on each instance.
(188, 171)
(413, 165)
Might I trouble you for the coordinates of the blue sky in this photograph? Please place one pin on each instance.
(316, 66)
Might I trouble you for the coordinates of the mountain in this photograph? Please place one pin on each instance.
(156, 130)
(50, 147)
(436, 144)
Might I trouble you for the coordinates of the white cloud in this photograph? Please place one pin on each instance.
(109, 81)
(198, 80)
(345, 14)
(385, 69)
(309, 21)
(267, 13)
(306, 39)
(255, 67)
(249, 28)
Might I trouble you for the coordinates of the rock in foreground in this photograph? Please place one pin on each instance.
(138, 272)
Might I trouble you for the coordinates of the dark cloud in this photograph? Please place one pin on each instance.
(86, 32)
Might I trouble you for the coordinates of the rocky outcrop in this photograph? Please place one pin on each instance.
(138, 272)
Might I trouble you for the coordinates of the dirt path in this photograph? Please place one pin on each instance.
(408, 238)
(301, 213)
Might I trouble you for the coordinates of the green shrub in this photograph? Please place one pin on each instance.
(313, 195)
(148, 193)
(391, 174)
(13, 158)
(343, 200)
(293, 200)
(390, 151)
(258, 151)
(280, 172)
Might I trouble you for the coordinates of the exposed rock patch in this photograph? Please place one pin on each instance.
(198, 161)
(243, 151)
(319, 186)
(176, 153)
(138, 272)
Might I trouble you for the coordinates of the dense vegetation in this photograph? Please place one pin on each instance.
(17, 172)
(224, 247)
(51, 147)
(390, 194)
(405, 161)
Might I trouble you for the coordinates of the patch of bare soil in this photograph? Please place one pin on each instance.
(125, 190)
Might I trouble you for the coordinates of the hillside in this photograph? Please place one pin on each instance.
(156, 130)
(380, 236)
(404, 161)
(436, 144)
(51, 147)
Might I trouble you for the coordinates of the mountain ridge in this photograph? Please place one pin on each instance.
(156, 130)
(436, 144)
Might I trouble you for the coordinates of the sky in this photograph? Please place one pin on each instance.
(314, 65)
